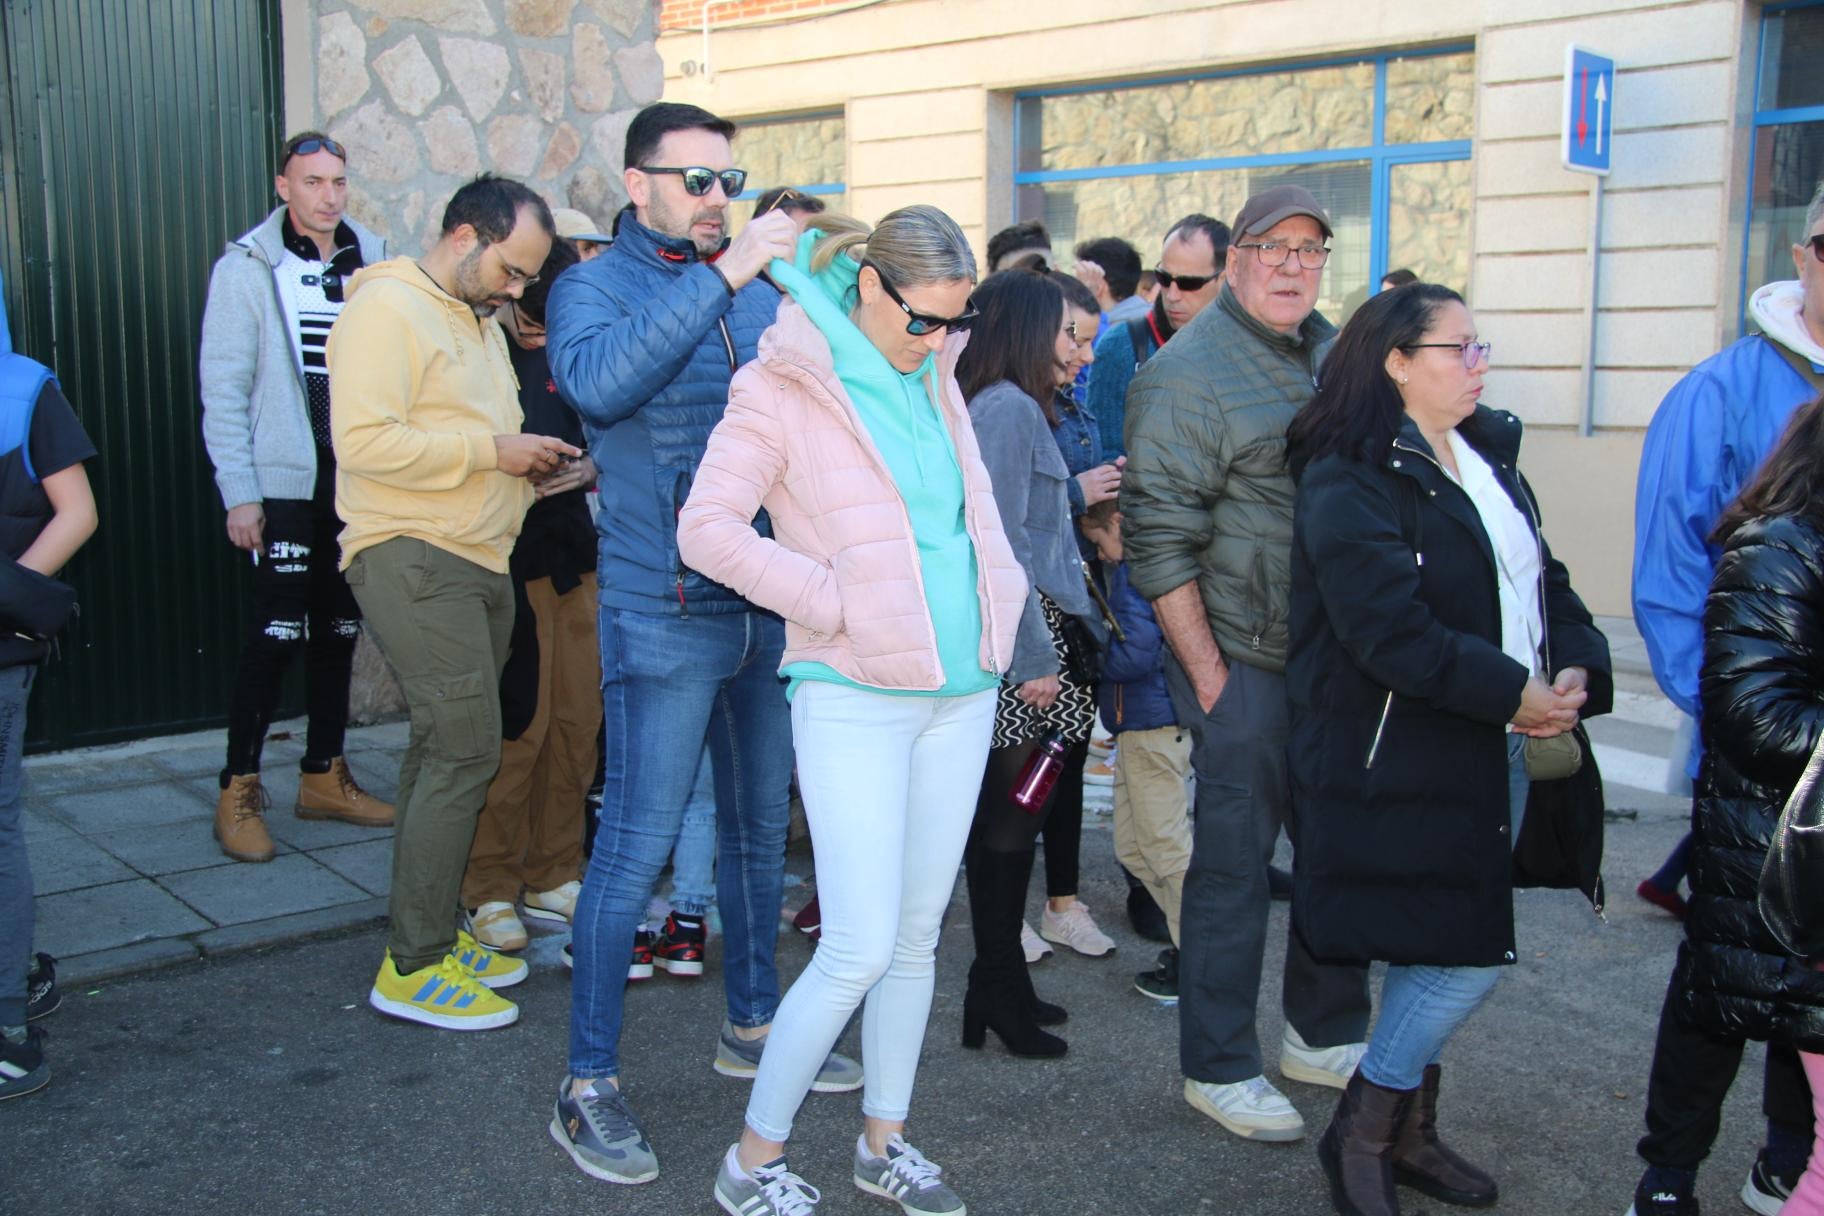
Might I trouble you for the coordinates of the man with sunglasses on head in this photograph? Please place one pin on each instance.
(1207, 506)
(273, 296)
(642, 343)
(1706, 440)
(1189, 274)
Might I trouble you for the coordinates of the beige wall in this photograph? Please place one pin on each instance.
(927, 87)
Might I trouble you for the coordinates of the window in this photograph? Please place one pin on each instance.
(1383, 143)
(806, 152)
(1788, 156)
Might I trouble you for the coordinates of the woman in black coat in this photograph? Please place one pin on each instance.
(1762, 688)
(1428, 616)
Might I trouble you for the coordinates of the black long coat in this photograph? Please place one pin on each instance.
(1762, 689)
(1399, 695)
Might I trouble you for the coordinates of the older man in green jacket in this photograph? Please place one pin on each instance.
(1207, 506)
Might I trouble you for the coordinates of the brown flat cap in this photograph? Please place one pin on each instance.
(1269, 207)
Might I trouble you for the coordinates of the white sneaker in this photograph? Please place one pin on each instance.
(496, 926)
(1074, 927)
(559, 905)
(1030, 943)
(1252, 1109)
(1331, 1066)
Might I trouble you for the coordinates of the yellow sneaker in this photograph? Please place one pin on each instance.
(494, 970)
(447, 996)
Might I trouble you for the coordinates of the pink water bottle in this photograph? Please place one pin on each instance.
(1040, 775)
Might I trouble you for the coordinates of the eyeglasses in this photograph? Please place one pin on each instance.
(919, 324)
(514, 273)
(1817, 246)
(528, 328)
(1275, 253)
(1070, 327)
(698, 180)
(309, 147)
(1184, 282)
(1472, 352)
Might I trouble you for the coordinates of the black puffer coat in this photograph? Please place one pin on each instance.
(1400, 695)
(1763, 710)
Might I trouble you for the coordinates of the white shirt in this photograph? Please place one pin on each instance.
(1516, 556)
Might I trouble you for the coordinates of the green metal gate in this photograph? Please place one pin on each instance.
(136, 137)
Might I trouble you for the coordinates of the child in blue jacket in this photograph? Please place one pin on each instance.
(1152, 753)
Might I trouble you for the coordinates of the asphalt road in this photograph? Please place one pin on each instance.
(263, 1084)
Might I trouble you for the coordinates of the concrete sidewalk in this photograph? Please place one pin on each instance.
(128, 873)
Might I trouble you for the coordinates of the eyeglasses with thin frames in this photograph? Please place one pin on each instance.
(918, 324)
(514, 274)
(1070, 327)
(1275, 253)
(1472, 352)
(699, 180)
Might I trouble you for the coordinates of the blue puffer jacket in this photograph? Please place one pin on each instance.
(642, 341)
(1133, 695)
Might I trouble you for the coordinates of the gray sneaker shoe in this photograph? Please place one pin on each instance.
(741, 1058)
(768, 1190)
(905, 1177)
(601, 1135)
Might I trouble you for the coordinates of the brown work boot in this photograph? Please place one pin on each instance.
(334, 795)
(239, 822)
(1425, 1163)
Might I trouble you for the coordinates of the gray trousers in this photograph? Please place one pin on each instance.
(1243, 799)
(15, 866)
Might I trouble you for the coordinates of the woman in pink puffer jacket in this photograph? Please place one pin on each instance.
(901, 596)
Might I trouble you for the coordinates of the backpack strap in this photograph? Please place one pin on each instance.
(1800, 364)
(1141, 335)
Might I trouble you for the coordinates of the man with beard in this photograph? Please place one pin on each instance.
(1189, 276)
(642, 342)
(431, 482)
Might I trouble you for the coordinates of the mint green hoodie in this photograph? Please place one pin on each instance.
(900, 413)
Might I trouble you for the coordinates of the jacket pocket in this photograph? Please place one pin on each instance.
(1050, 490)
(455, 708)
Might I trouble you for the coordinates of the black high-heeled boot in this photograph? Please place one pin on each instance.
(999, 989)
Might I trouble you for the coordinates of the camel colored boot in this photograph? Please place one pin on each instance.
(240, 825)
(1424, 1163)
(335, 795)
(1357, 1148)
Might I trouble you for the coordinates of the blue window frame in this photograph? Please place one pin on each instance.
(1353, 168)
(1786, 151)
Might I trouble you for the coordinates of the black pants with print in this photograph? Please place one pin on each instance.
(302, 603)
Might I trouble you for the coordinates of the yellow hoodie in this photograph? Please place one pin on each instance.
(419, 387)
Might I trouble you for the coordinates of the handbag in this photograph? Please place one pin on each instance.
(1791, 897)
(1553, 759)
(1082, 651)
(1561, 837)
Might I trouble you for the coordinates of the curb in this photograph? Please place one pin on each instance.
(220, 942)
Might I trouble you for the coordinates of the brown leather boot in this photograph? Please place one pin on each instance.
(1356, 1150)
(334, 795)
(239, 825)
(1424, 1163)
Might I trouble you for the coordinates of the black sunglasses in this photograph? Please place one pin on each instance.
(919, 324)
(698, 180)
(1817, 246)
(1184, 282)
(311, 146)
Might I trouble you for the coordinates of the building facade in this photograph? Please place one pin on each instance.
(1430, 132)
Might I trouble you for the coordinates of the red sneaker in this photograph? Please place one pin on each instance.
(809, 920)
(1659, 897)
(641, 966)
(679, 947)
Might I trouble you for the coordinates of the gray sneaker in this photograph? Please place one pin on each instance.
(905, 1177)
(768, 1190)
(741, 1058)
(601, 1135)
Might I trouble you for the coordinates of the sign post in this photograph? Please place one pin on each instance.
(1586, 140)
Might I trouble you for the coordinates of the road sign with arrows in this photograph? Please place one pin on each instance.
(1587, 137)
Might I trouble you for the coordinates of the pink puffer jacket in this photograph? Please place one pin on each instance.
(843, 566)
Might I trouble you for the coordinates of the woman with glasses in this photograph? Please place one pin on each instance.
(1433, 637)
(1010, 374)
(901, 596)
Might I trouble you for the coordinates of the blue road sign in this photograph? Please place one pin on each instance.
(1587, 137)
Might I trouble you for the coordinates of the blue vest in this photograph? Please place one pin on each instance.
(24, 510)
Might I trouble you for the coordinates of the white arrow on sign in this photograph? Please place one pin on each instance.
(1602, 100)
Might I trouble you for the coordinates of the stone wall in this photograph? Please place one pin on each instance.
(427, 93)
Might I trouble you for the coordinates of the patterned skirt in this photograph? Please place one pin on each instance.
(1073, 713)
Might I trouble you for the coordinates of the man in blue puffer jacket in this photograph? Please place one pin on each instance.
(642, 341)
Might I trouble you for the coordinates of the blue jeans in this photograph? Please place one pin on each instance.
(15, 865)
(693, 858)
(1421, 1007)
(669, 684)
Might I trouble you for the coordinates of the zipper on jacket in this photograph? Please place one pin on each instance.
(728, 340)
(1258, 585)
(1375, 747)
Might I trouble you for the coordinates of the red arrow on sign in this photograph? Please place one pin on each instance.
(1583, 108)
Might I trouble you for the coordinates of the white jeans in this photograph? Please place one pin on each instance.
(889, 787)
